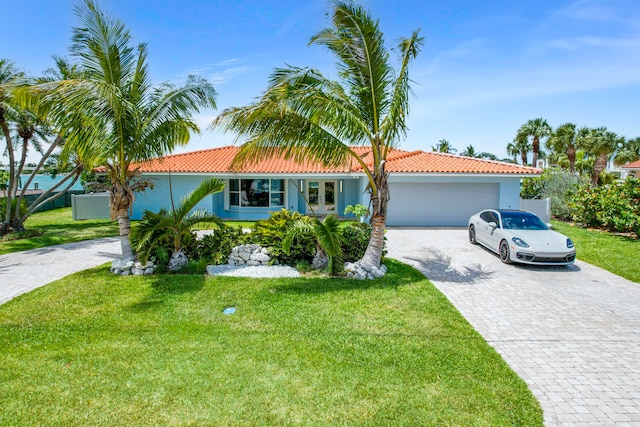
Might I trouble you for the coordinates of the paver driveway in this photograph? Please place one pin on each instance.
(572, 333)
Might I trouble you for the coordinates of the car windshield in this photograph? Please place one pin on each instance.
(522, 221)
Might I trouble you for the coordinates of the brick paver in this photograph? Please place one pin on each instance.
(572, 333)
(21, 272)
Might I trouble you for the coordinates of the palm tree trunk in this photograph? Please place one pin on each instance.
(120, 203)
(535, 147)
(599, 166)
(571, 155)
(373, 255)
(12, 179)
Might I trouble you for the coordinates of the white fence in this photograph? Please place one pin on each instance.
(540, 207)
(90, 206)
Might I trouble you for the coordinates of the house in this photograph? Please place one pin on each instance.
(426, 188)
(632, 169)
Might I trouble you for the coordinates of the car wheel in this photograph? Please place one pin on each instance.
(472, 235)
(505, 255)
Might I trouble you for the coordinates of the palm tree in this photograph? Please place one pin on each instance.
(630, 152)
(565, 140)
(470, 151)
(537, 129)
(520, 146)
(176, 224)
(600, 144)
(328, 240)
(305, 116)
(443, 146)
(127, 120)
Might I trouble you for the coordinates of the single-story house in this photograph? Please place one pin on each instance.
(632, 169)
(426, 188)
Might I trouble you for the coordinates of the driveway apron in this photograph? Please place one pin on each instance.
(572, 333)
(21, 272)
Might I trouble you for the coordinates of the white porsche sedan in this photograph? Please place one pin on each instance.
(520, 236)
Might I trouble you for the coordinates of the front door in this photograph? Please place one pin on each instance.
(322, 196)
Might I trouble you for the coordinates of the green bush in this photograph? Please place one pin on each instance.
(556, 184)
(614, 207)
(215, 248)
(355, 239)
(270, 233)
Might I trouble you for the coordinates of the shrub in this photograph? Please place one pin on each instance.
(271, 232)
(614, 207)
(355, 239)
(215, 248)
(555, 184)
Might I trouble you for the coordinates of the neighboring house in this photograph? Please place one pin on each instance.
(426, 188)
(632, 169)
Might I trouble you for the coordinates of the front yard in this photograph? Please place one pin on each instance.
(96, 349)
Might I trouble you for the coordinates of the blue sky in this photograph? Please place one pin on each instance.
(485, 69)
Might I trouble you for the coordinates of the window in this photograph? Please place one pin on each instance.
(256, 192)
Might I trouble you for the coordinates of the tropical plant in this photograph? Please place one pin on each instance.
(555, 184)
(127, 119)
(536, 129)
(174, 227)
(443, 146)
(360, 211)
(306, 116)
(565, 139)
(629, 152)
(355, 238)
(328, 241)
(600, 144)
(216, 247)
(520, 146)
(272, 231)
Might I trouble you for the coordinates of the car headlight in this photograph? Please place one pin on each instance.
(518, 241)
(569, 243)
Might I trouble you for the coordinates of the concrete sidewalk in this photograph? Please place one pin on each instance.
(20, 272)
(572, 333)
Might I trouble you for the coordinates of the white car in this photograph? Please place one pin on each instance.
(520, 236)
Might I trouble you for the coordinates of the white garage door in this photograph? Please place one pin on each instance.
(415, 204)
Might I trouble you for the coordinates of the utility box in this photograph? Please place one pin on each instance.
(90, 206)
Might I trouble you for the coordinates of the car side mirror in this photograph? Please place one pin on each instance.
(549, 225)
(493, 225)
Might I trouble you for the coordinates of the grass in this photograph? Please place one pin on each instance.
(56, 227)
(614, 253)
(95, 349)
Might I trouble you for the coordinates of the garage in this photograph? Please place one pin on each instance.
(441, 204)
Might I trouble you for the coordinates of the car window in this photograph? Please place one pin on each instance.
(488, 217)
(522, 221)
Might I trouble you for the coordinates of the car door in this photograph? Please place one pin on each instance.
(494, 234)
(483, 228)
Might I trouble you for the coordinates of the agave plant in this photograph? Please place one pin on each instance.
(328, 239)
(175, 225)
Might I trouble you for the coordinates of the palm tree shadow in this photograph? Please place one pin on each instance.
(437, 266)
(164, 288)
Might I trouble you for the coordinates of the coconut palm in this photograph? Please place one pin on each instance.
(127, 120)
(443, 146)
(175, 225)
(536, 129)
(304, 115)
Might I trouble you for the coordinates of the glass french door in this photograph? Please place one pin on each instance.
(321, 195)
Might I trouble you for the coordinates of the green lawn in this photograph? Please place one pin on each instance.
(57, 227)
(96, 349)
(614, 253)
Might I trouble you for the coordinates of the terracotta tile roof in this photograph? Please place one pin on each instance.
(218, 160)
(632, 165)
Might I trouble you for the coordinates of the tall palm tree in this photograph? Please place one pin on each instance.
(630, 152)
(565, 140)
(520, 146)
(306, 116)
(536, 129)
(600, 144)
(443, 146)
(470, 151)
(127, 120)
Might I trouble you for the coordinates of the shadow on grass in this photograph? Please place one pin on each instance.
(398, 274)
(165, 287)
